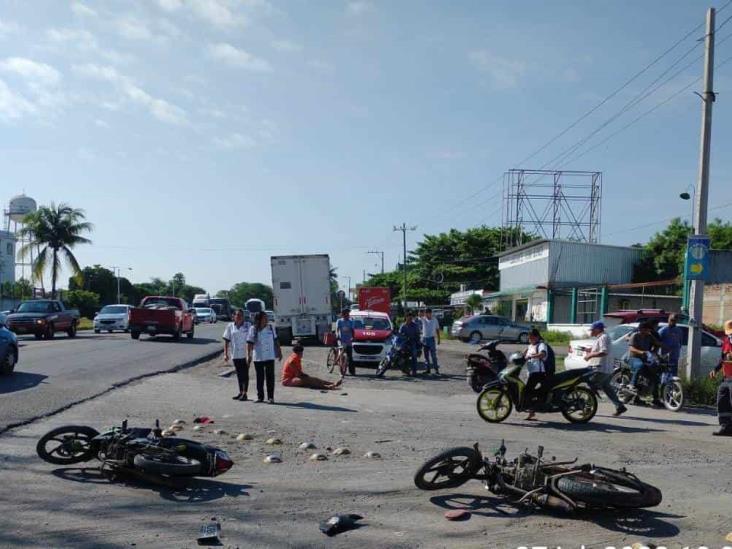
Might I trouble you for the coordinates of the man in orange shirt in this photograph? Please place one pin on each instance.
(293, 376)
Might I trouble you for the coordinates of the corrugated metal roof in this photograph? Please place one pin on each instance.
(544, 240)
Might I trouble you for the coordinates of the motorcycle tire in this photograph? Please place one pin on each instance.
(588, 414)
(60, 455)
(181, 466)
(464, 459)
(601, 491)
(500, 404)
(672, 394)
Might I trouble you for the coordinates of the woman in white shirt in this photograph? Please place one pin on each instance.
(535, 356)
(235, 347)
(262, 349)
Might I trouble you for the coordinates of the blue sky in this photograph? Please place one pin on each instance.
(204, 136)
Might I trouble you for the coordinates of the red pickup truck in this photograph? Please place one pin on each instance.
(161, 315)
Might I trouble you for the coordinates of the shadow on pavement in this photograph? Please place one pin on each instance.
(639, 522)
(313, 406)
(19, 381)
(183, 340)
(669, 421)
(194, 490)
(592, 426)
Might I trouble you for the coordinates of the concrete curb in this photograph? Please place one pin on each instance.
(119, 384)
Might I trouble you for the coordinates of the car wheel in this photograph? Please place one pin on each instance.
(7, 365)
(475, 337)
(71, 332)
(50, 333)
(97, 331)
(523, 337)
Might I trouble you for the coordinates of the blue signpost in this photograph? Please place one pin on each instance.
(697, 258)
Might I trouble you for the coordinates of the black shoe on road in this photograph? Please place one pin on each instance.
(620, 410)
(724, 431)
(236, 397)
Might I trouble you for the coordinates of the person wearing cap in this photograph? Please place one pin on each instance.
(598, 357)
(410, 332)
(293, 376)
(344, 334)
(724, 392)
(671, 337)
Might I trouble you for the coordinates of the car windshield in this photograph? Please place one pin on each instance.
(161, 303)
(113, 310)
(203, 311)
(620, 331)
(36, 307)
(371, 323)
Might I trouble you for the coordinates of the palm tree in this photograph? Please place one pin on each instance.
(474, 301)
(54, 230)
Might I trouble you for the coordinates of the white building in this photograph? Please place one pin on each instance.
(7, 257)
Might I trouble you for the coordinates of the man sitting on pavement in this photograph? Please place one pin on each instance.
(293, 376)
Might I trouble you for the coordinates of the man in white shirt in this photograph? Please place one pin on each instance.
(235, 347)
(598, 357)
(430, 340)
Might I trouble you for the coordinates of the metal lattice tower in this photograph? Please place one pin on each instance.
(551, 204)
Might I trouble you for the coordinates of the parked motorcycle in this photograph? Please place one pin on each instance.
(137, 451)
(398, 356)
(656, 372)
(484, 368)
(567, 392)
(529, 480)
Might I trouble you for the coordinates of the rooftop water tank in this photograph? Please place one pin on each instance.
(20, 206)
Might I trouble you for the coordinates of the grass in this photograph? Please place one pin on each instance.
(701, 391)
(552, 337)
(85, 324)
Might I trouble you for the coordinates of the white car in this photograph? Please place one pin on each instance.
(111, 318)
(711, 348)
(372, 332)
(205, 314)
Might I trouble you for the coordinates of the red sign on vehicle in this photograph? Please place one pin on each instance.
(374, 299)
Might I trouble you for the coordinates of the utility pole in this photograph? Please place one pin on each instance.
(404, 230)
(381, 253)
(349, 286)
(116, 272)
(696, 300)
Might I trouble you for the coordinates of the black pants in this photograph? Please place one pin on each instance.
(265, 370)
(532, 395)
(242, 374)
(724, 402)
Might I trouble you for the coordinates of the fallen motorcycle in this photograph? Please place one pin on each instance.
(569, 392)
(484, 368)
(140, 452)
(530, 480)
(656, 372)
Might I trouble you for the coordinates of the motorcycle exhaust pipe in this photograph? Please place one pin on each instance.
(553, 503)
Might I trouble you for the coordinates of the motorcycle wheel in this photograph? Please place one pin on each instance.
(582, 405)
(620, 381)
(383, 365)
(69, 444)
(449, 469)
(494, 405)
(178, 466)
(672, 394)
(617, 490)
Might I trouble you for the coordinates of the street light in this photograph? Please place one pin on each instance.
(117, 270)
(686, 195)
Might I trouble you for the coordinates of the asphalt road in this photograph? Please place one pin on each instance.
(54, 374)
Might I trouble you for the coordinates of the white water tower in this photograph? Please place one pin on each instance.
(18, 207)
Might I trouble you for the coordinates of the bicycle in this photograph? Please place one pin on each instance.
(337, 356)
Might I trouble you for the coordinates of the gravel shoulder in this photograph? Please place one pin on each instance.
(406, 421)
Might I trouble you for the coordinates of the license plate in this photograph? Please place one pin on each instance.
(151, 328)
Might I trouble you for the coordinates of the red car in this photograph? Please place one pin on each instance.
(653, 315)
(161, 315)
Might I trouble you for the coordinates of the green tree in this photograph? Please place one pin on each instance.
(54, 230)
(103, 282)
(663, 257)
(86, 302)
(474, 301)
(20, 289)
(242, 291)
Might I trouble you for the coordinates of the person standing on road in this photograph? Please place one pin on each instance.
(671, 337)
(262, 349)
(420, 324)
(724, 392)
(235, 347)
(599, 358)
(535, 356)
(410, 332)
(430, 341)
(344, 336)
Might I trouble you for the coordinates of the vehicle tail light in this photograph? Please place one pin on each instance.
(222, 462)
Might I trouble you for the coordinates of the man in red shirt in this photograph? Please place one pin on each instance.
(724, 393)
(293, 376)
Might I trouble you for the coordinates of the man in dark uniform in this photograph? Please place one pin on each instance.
(410, 332)
(724, 393)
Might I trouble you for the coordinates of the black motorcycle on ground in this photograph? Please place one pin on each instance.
(485, 365)
(135, 451)
(569, 392)
(655, 381)
(399, 356)
(530, 480)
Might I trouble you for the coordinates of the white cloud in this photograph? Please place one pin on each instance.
(504, 73)
(133, 29)
(82, 10)
(286, 46)
(13, 105)
(234, 141)
(33, 72)
(160, 108)
(359, 7)
(85, 42)
(238, 58)
(170, 5)
(216, 12)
